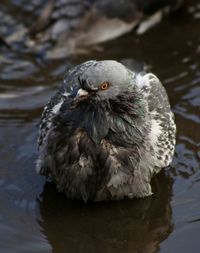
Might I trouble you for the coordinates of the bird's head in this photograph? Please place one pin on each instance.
(103, 80)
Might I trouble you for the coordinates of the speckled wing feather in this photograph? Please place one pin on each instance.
(163, 128)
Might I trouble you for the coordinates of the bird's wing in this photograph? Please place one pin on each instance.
(163, 129)
(49, 112)
(154, 93)
(66, 91)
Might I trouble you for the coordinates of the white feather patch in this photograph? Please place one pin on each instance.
(144, 81)
(56, 107)
(66, 94)
(156, 131)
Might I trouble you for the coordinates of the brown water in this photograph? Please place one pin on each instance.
(35, 218)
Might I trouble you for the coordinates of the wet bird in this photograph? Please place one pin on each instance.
(106, 132)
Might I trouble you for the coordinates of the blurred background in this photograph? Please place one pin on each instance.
(39, 41)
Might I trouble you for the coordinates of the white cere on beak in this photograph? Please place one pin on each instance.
(81, 92)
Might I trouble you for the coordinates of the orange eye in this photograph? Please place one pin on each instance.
(104, 86)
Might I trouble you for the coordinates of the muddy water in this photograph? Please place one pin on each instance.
(35, 218)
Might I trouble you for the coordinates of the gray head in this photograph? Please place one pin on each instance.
(105, 80)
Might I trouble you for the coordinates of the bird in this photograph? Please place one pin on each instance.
(106, 132)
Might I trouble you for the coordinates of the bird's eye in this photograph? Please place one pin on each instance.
(104, 86)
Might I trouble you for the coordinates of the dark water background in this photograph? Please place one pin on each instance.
(34, 218)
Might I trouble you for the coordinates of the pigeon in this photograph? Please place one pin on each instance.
(106, 132)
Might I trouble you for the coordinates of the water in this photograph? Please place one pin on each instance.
(35, 218)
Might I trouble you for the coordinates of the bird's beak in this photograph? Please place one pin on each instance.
(80, 96)
(81, 93)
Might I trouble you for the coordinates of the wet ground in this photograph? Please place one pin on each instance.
(35, 218)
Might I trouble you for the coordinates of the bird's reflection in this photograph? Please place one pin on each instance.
(129, 225)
